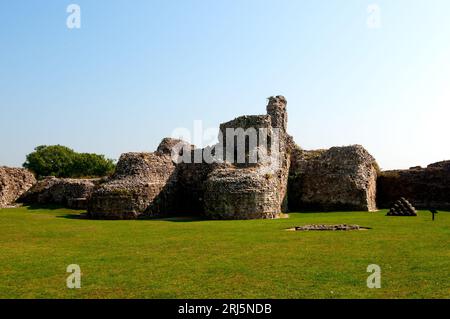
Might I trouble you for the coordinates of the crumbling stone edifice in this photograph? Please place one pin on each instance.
(426, 188)
(341, 178)
(253, 190)
(144, 183)
(13, 183)
(236, 183)
(154, 184)
(255, 171)
(66, 192)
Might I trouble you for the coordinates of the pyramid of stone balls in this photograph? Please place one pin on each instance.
(402, 207)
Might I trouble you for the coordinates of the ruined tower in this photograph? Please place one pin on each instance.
(235, 187)
(277, 110)
(235, 191)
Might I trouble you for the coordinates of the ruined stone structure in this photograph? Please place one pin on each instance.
(262, 180)
(341, 178)
(144, 183)
(402, 207)
(249, 190)
(340, 227)
(238, 185)
(152, 184)
(426, 188)
(71, 193)
(13, 183)
(169, 145)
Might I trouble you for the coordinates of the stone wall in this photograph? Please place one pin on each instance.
(143, 184)
(341, 178)
(236, 193)
(13, 183)
(70, 193)
(247, 125)
(277, 109)
(425, 188)
(252, 190)
(154, 185)
(169, 145)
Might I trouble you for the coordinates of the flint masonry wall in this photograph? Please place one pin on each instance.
(13, 183)
(151, 184)
(252, 190)
(237, 193)
(341, 178)
(71, 193)
(425, 188)
(143, 184)
(277, 109)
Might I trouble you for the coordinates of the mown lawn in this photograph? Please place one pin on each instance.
(179, 258)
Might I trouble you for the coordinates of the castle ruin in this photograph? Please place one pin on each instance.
(234, 186)
(256, 171)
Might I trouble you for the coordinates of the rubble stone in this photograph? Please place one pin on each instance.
(341, 178)
(341, 227)
(143, 184)
(13, 183)
(67, 192)
(157, 185)
(252, 190)
(427, 188)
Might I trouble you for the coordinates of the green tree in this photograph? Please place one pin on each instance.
(86, 164)
(61, 161)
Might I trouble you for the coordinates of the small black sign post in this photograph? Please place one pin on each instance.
(433, 212)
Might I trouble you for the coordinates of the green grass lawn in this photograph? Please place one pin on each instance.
(176, 258)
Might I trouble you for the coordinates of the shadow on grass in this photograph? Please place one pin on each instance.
(53, 207)
(306, 212)
(73, 216)
(177, 219)
(43, 207)
(174, 219)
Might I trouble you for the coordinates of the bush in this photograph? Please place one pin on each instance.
(61, 161)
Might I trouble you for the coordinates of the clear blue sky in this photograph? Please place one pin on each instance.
(137, 70)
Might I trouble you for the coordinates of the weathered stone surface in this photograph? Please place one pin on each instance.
(248, 125)
(341, 178)
(402, 207)
(236, 193)
(70, 193)
(143, 184)
(235, 186)
(249, 190)
(13, 183)
(340, 227)
(169, 146)
(426, 188)
(78, 203)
